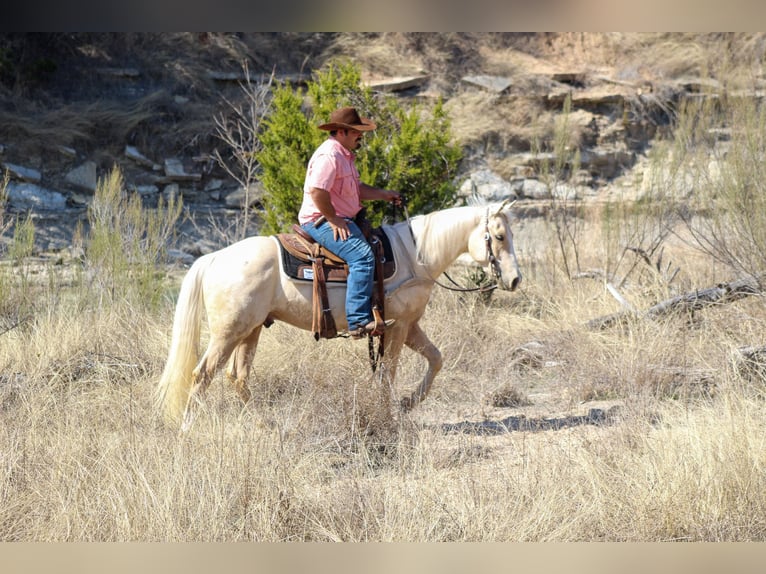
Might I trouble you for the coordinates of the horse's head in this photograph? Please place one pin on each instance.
(491, 244)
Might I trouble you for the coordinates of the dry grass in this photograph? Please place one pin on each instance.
(536, 430)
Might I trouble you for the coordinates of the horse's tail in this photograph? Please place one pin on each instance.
(175, 384)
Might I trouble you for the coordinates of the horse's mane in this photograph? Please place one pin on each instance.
(437, 228)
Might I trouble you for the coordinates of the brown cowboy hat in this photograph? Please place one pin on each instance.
(348, 118)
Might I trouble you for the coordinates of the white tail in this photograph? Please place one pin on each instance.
(177, 378)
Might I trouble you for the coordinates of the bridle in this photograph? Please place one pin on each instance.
(492, 263)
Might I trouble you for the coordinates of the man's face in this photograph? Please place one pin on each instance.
(350, 139)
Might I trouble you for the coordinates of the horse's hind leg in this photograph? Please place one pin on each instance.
(214, 357)
(240, 363)
(419, 342)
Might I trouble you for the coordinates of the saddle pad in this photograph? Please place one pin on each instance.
(301, 268)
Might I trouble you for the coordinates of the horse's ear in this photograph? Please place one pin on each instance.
(506, 205)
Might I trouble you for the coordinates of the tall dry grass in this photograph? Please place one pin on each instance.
(318, 456)
(537, 429)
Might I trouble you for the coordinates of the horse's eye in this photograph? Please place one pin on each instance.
(500, 237)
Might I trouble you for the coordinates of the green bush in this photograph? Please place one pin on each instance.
(16, 298)
(127, 242)
(411, 151)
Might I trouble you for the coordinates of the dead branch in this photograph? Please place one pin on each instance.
(692, 301)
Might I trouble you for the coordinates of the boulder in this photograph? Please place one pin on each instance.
(133, 154)
(22, 173)
(487, 185)
(174, 170)
(83, 177)
(397, 84)
(495, 84)
(535, 189)
(24, 195)
(237, 197)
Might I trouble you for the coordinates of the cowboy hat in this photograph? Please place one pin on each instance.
(348, 119)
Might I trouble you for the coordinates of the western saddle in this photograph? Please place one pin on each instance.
(304, 259)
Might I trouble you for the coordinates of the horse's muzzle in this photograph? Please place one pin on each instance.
(515, 282)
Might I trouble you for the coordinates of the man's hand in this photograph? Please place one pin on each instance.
(393, 197)
(340, 230)
(372, 193)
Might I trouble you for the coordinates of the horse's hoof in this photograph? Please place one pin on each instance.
(406, 404)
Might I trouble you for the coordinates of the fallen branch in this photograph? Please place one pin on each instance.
(692, 301)
(20, 321)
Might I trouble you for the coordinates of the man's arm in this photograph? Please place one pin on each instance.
(368, 192)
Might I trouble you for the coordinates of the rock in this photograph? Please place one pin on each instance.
(565, 192)
(494, 84)
(213, 189)
(80, 199)
(83, 177)
(178, 256)
(23, 196)
(534, 189)
(132, 153)
(397, 84)
(67, 151)
(237, 197)
(487, 185)
(144, 190)
(571, 78)
(119, 72)
(23, 173)
(227, 76)
(607, 163)
(172, 190)
(213, 184)
(174, 170)
(531, 188)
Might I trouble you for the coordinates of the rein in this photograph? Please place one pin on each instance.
(491, 257)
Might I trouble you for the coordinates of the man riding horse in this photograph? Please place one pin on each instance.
(332, 199)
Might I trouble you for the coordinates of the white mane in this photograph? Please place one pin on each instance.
(445, 233)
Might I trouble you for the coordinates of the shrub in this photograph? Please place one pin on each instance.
(411, 151)
(718, 148)
(126, 241)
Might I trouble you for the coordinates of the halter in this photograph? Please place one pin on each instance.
(492, 264)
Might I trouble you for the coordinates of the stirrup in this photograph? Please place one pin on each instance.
(371, 328)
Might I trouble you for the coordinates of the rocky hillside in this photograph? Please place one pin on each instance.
(75, 105)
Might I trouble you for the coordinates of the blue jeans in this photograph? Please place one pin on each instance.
(361, 269)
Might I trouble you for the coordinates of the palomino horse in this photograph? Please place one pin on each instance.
(242, 287)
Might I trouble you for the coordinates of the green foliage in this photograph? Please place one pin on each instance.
(15, 295)
(127, 242)
(416, 159)
(410, 151)
(476, 277)
(287, 141)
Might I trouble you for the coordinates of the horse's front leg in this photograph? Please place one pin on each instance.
(420, 343)
(394, 342)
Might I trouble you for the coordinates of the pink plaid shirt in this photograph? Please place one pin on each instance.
(331, 168)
